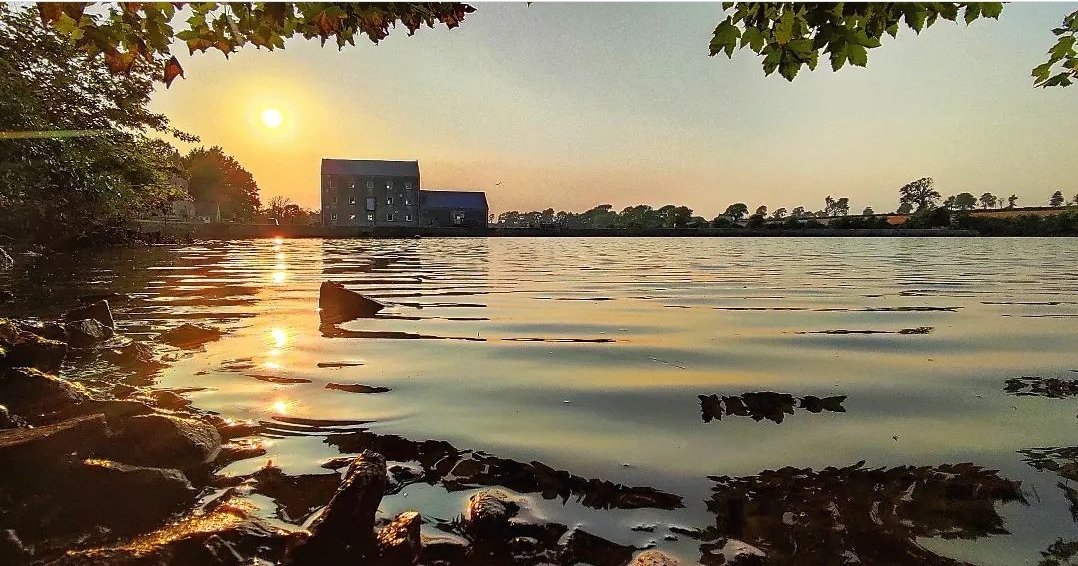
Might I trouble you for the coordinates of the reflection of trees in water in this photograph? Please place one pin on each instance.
(1052, 387)
(853, 515)
(1064, 462)
(456, 470)
(765, 405)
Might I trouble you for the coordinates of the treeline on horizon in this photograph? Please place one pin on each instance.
(918, 200)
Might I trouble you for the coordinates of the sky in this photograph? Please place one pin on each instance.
(572, 105)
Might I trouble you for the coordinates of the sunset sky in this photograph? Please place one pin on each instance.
(573, 105)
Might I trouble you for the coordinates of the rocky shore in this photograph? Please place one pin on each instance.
(115, 471)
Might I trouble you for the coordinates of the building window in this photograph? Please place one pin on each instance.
(333, 216)
(334, 201)
(407, 184)
(370, 184)
(370, 218)
(333, 181)
(389, 200)
(370, 203)
(407, 217)
(389, 184)
(389, 217)
(352, 185)
(352, 218)
(407, 202)
(458, 217)
(352, 201)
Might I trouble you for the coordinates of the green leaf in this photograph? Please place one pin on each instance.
(838, 57)
(973, 11)
(991, 9)
(858, 55)
(1042, 71)
(753, 38)
(784, 30)
(915, 17)
(725, 38)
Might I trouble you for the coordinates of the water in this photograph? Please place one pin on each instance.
(588, 356)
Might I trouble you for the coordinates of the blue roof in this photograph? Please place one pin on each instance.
(453, 199)
(371, 167)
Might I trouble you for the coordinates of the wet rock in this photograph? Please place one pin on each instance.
(582, 546)
(357, 388)
(486, 516)
(50, 330)
(127, 498)
(443, 548)
(86, 333)
(230, 429)
(296, 496)
(165, 441)
(5, 259)
(133, 355)
(337, 304)
(6, 420)
(399, 542)
(6, 296)
(189, 336)
(23, 450)
(98, 311)
(225, 536)
(345, 529)
(116, 411)
(654, 558)
(236, 451)
(31, 393)
(169, 399)
(12, 549)
(19, 348)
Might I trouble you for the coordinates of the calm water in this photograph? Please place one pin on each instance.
(589, 356)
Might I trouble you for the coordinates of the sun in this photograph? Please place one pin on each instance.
(272, 118)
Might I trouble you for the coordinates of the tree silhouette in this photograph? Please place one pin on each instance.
(920, 193)
(988, 200)
(737, 211)
(1057, 199)
(1011, 200)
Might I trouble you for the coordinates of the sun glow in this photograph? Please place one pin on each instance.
(272, 118)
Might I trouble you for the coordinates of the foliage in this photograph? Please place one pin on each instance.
(77, 157)
(124, 34)
(836, 207)
(779, 213)
(217, 178)
(792, 35)
(287, 212)
(1012, 200)
(755, 221)
(737, 211)
(929, 217)
(860, 222)
(633, 217)
(1063, 224)
(920, 193)
(904, 207)
(988, 200)
(1057, 199)
(868, 211)
(798, 212)
(961, 201)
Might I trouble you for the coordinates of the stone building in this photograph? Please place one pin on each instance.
(369, 192)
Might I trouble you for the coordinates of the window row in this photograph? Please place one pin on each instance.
(370, 201)
(333, 182)
(390, 217)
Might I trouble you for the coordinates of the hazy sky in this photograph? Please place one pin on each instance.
(573, 105)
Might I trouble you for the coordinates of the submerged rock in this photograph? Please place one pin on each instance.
(582, 546)
(165, 441)
(189, 336)
(486, 516)
(136, 355)
(98, 311)
(31, 393)
(400, 542)
(86, 333)
(345, 529)
(337, 304)
(19, 348)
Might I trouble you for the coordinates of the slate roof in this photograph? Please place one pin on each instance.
(370, 167)
(452, 199)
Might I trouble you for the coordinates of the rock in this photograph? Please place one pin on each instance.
(227, 536)
(444, 548)
(30, 393)
(357, 388)
(50, 330)
(127, 498)
(337, 304)
(86, 333)
(345, 529)
(165, 441)
(654, 558)
(12, 549)
(487, 515)
(236, 451)
(116, 411)
(582, 546)
(189, 336)
(6, 421)
(24, 449)
(400, 542)
(5, 260)
(19, 348)
(98, 311)
(6, 296)
(133, 355)
(169, 399)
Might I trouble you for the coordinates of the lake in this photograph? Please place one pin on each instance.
(817, 398)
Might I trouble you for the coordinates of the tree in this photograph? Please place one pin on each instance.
(125, 34)
(737, 211)
(920, 193)
(836, 207)
(961, 201)
(904, 208)
(79, 162)
(216, 177)
(868, 211)
(798, 212)
(1057, 199)
(988, 200)
(1011, 200)
(779, 214)
(761, 210)
(793, 35)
